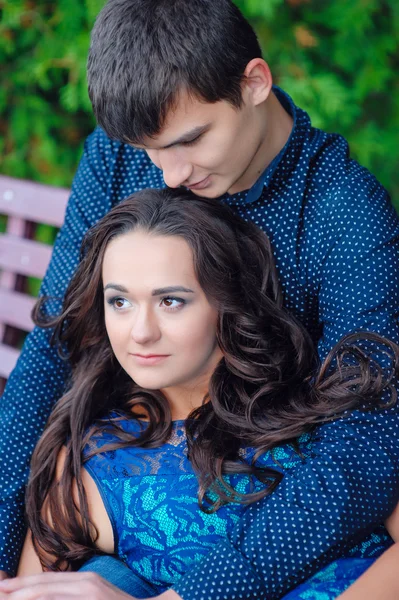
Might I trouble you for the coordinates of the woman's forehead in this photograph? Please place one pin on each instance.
(147, 260)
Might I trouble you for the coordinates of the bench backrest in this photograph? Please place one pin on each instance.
(25, 204)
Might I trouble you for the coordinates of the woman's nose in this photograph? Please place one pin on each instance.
(145, 328)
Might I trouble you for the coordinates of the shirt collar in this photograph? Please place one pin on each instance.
(286, 159)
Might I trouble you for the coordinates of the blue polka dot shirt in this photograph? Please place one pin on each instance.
(335, 239)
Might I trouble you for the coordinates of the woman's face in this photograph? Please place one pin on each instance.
(160, 324)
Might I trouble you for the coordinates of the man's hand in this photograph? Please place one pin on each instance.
(3, 575)
(66, 586)
(60, 586)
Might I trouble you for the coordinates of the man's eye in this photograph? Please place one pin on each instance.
(192, 142)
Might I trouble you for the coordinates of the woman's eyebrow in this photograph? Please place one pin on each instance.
(157, 292)
(171, 290)
(116, 286)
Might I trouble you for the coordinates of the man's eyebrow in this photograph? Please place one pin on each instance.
(189, 136)
(171, 290)
(117, 287)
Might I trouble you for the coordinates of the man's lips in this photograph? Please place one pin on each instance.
(200, 185)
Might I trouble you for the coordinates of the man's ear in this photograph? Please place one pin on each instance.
(257, 81)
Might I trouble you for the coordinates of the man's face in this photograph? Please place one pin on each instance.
(205, 147)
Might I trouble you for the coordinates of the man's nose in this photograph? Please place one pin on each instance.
(145, 327)
(176, 170)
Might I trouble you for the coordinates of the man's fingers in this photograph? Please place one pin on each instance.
(49, 585)
(64, 586)
(37, 595)
(60, 586)
(16, 583)
(3, 575)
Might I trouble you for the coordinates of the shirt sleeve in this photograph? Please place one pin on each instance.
(320, 509)
(39, 378)
(358, 280)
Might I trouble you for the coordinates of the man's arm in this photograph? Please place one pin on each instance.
(351, 483)
(347, 487)
(358, 268)
(40, 375)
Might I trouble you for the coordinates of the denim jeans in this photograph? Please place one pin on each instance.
(117, 573)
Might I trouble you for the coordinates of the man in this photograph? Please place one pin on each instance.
(184, 97)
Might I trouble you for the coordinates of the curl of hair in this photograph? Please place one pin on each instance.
(267, 390)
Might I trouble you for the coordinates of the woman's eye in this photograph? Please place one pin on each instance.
(172, 303)
(118, 303)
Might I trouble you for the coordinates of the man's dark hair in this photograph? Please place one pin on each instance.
(144, 52)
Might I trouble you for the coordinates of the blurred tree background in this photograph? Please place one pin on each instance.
(338, 59)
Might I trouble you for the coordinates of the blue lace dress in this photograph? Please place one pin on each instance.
(159, 531)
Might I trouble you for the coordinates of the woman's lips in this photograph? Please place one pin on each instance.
(149, 359)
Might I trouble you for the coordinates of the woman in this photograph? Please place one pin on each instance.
(193, 391)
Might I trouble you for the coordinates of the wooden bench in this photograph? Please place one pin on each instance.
(25, 204)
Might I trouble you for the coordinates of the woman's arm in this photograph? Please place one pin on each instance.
(30, 564)
(392, 524)
(379, 582)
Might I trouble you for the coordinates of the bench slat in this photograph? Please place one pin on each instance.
(33, 201)
(25, 257)
(8, 360)
(23, 203)
(15, 309)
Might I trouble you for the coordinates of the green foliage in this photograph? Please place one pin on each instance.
(45, 112)
(338, 59)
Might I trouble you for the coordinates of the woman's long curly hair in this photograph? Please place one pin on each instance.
(268, 389)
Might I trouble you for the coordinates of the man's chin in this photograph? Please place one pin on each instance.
(210, 192)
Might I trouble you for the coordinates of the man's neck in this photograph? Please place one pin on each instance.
(277, 127)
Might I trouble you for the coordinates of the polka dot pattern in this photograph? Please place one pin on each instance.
(335, 238)
(314, 516)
